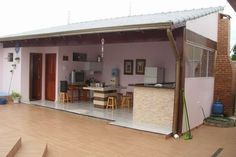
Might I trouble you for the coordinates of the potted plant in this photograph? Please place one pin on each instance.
(17, 59)
(16, 97)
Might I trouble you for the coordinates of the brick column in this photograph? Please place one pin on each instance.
(223, 69)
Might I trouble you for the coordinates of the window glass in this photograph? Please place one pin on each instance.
(199, 62)
(204, 63)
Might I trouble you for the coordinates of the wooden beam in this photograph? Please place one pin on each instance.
(173, 44)
(177, 78)
(178, 52)
(114, 37)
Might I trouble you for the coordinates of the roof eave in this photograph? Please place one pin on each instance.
(233, 4)
(165, 25)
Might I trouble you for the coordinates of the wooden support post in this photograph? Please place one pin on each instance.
(177, 79)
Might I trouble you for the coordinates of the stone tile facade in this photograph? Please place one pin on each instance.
(153, 106)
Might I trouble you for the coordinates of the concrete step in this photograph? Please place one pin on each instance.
(32, 149)
(9, 146)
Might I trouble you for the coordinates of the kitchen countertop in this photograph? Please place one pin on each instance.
(169, 85)
(108, 88)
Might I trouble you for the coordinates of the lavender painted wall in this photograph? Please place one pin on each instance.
(199, 94)
(66, 67)
(155, 53)
(6, 74)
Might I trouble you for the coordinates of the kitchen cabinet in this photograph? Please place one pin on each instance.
(91, 66)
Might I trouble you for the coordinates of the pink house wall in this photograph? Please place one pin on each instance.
(6, 74)
(199, 94)
(155, 53)
(206, 26)
(200, 91)
(66, 67)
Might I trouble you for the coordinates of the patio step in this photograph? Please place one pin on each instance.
(32, 149)
(9, 146)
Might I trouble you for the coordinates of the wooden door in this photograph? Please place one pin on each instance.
(35, 76)
(50, 77)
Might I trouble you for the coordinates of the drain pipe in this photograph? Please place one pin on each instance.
(177, 79)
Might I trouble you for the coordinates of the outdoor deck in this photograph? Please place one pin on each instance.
(71, 135)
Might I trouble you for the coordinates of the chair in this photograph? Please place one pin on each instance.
(111, 102)
(125, 101)
(119, 97)
(64, 97)
(131, 97)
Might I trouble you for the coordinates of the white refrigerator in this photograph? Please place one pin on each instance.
(154, 75)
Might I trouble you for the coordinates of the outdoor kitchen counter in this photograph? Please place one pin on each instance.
(170, 85)
(101, 89)
(154, 105)
(101, 94)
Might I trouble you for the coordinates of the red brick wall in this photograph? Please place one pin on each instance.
(223, 68)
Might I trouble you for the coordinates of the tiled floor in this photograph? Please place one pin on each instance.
(120, 117)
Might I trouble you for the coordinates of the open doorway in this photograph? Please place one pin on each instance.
(35, 76)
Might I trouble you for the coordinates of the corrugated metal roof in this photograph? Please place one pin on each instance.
(150, 21)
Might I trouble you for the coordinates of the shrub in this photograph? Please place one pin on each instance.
(15, 95)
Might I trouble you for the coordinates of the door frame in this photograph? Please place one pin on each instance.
(31, 75)
(45, 80)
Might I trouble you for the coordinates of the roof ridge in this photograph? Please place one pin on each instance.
(149, 14)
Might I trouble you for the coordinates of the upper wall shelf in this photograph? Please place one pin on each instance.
(91, 66)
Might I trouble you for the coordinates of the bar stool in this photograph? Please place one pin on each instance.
(111, 102)
(119, 97)
(125, 101)
(64, 97)
(130, 94)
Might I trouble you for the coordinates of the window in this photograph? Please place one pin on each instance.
(199, 61)
(10, 57)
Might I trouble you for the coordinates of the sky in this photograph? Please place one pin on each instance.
(24, 15)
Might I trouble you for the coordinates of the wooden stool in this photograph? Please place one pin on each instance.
(64, 97)
(130, 94)
(119, 97)
(111, 102)
(125, 101)
(71, 90)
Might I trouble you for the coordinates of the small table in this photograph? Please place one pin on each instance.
(73, 88)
